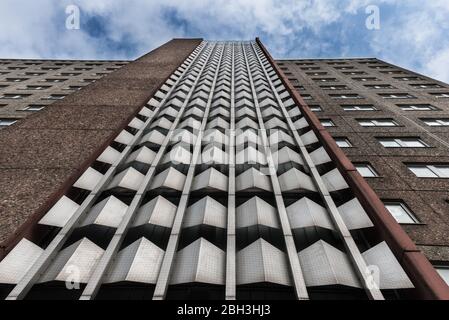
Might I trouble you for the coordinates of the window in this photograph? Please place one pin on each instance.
(304, 63)
(437, 122)
(82, 69)
(73, 88)
(344, 68)
(365, 79)
(343, 142)
(443, 271)
(55, 97)
(16, 79)
(426, 86)
(88, 80)
(327, 123)
(355, 73)
(306, 96)
(408, 78)
(358, 107)
(68, 74)
(32, 87)
(377, 123)
(54, 80)
(310, 68)
(34, 73)
(16, 68)
(379, 86)
(315, 108)
(440, 95)
(380, 67)
(325, 80)
(366, 170)
(400, 212)
(416, 107)
(339, 87)
(50, 68)
(429, 171)
(7, 122)
(316, 73)
(402, 143)
(346, 96)
(14, 96)
(34, 107)
(396, 96)
(393, 72)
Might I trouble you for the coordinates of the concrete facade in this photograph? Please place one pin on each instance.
(426, 198)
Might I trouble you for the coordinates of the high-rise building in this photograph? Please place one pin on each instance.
(207, 170)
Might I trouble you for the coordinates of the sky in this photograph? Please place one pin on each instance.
(410, 33)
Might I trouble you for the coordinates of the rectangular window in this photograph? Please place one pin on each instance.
(16, 79)
(377, 123)
(366, 170)
(429, 171)
(416, 107)
(54, 80)
(7, 122)
(14, 96)
(34, 107)
(366, 79)
(366, 107)
(327, 123)
(325, 80)
(408, 78)
(441, 95)
(55, 97)
(34, 73)
(346, 96)
(73, 88)
(306, 96)
(315, 108)
(402, 143)
(443, 271)
(401, 212)
(426, 86)
(355, 73)
(379, 86)
(339, 87)
(32, 87)
(343, 142)
(317, 74)
(396, 96)
(444, 122)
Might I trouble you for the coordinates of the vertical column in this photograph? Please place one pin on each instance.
(230, 242)
(295, 267)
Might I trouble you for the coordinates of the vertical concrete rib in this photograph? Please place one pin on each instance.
(230, 241)
(96, 279)
(295, 267)
(33, 274)
(167, 262)
(350, 245)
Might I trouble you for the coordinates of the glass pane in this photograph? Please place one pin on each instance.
(399, 213)
(444, 273)
(441, 171)
(422, 172)
(366, 171)
(410, 143)
(390, 143)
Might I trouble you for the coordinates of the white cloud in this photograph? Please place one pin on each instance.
(414, 35)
